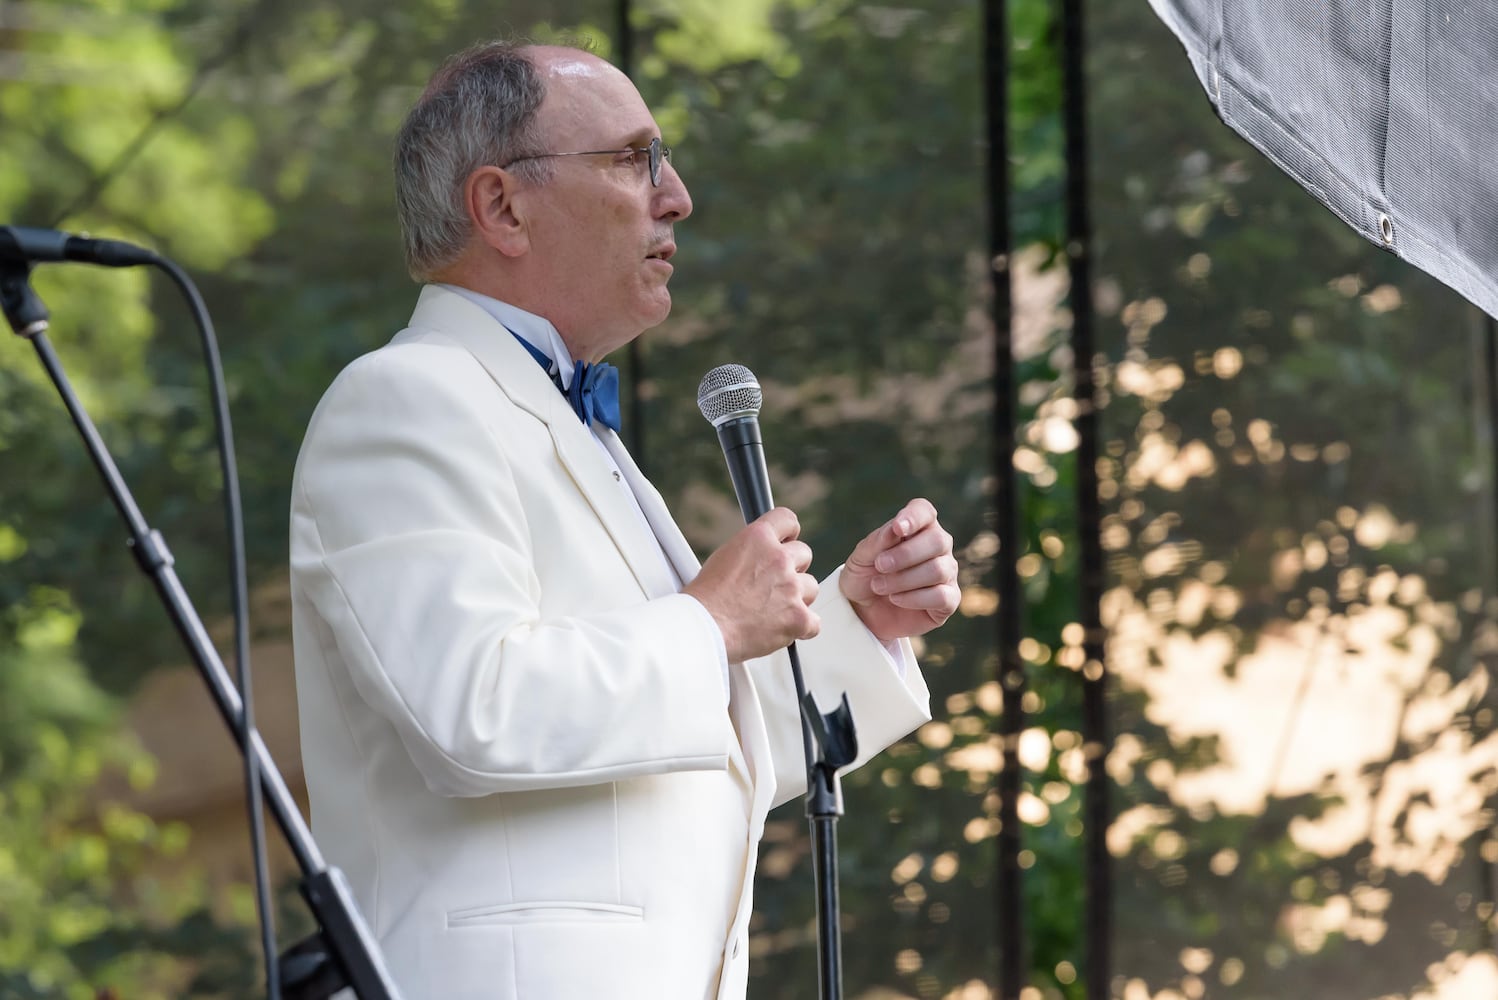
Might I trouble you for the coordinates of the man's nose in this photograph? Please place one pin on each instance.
(672, 200)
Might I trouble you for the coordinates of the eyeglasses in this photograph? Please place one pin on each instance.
(655, 151)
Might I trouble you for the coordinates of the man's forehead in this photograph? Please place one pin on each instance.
(574, 68)
(586, 93)
(557, 62)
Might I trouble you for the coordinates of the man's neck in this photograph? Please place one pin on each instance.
(534, 329)
(513, 294)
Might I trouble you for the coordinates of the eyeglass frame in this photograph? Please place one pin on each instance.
(657, 152)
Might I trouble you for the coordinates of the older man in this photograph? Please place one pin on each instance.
(539, 738)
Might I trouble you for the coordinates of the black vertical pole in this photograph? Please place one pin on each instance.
(1013, 963)
(1098, 876)
(634, 440)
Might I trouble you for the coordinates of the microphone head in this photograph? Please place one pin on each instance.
(727, 392)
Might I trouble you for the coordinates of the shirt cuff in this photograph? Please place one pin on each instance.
(717, 634)
(899, 654)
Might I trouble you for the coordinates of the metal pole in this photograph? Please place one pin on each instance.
(1098, 873)
(1013, 961)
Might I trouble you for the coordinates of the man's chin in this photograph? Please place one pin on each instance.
(658, 311)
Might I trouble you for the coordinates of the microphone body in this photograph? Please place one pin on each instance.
(729, 398)
(29, 245)
(744, 451)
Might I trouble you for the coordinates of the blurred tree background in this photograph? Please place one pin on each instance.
(1297, 477)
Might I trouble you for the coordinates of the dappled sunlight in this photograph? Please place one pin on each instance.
(1357, 917)
(1461, 977)
(1429, 807)
(1170, 466)
(1317, 707)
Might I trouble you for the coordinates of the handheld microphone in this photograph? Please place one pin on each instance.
(730, 398)
(28, 245)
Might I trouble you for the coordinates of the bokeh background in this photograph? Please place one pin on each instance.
(1296, 471)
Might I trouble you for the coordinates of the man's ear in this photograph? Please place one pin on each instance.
(498, 221)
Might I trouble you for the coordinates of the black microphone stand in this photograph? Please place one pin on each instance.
(343, 951)
(830, 742)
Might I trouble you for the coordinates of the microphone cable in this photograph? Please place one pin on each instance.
(234, 518)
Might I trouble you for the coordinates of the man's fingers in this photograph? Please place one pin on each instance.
(929, 573)
(930, 542)
(906, 563)
(783, 522)
(943, 598)
(915, 516)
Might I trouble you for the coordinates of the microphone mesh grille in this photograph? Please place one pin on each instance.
(729, 391)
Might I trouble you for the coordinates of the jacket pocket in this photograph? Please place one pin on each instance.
(561, 911)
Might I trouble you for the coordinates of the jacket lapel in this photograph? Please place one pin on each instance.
(678, 550)
(451, 317)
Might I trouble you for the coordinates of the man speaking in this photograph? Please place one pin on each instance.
(539, 738)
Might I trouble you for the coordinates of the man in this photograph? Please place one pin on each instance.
(539, 739)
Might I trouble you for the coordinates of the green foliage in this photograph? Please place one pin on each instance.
(82, 909)
(83, 905)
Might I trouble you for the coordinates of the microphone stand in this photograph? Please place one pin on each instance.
(343, 951)
(830, 742)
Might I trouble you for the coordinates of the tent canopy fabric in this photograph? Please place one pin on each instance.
(1386, 110)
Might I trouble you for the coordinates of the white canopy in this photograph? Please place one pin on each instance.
(1386, 110)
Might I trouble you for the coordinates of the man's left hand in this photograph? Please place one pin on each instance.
(902, 578)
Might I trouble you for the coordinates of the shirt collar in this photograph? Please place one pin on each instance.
(534, 330)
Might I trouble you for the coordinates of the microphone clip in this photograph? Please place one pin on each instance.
(837, 739)
(23, 308)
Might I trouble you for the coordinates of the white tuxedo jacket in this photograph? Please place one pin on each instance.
(515, 732)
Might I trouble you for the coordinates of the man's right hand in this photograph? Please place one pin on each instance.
(757, 589)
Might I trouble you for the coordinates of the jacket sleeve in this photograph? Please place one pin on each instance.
(844, 658)
(412, 545)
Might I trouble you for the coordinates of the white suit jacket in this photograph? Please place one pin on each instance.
(515, 733)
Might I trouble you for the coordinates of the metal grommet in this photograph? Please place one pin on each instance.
(1386, 229)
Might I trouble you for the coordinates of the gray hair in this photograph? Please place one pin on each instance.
(478, 110)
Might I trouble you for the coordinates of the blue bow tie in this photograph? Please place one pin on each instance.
(594, 394)
(594, 391)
